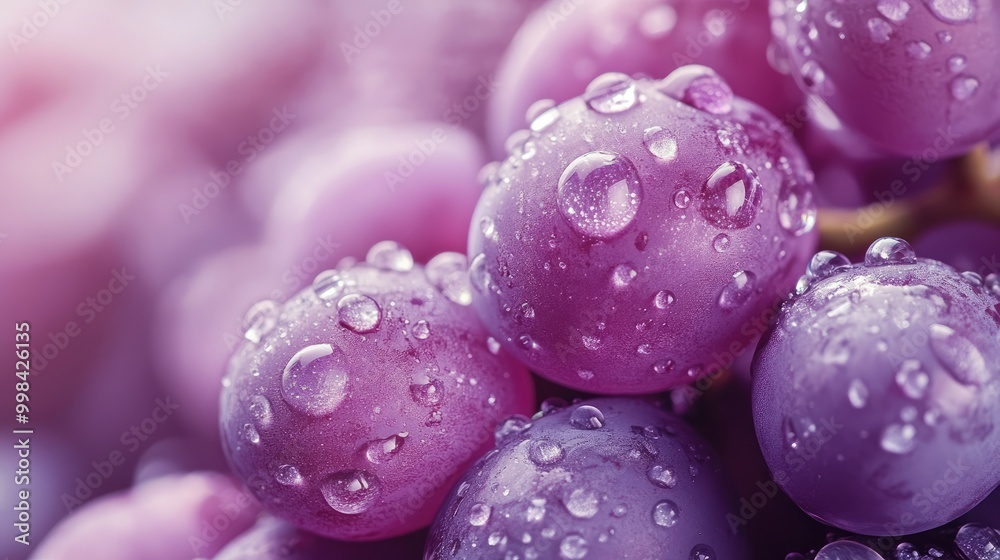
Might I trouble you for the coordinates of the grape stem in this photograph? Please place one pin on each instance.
(969, 190)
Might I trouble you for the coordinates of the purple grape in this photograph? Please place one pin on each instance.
(630, 241)
(564, 45)
(273, 539)
(875, 394)
(917, 77)
(169, 518)
(966, 245)
(352, 408)
(604, 478)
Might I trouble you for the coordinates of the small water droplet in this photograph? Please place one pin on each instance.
(611, 93)
(428, 393)
(662, 476)
(421, 330)
(682, 199)
(314, 380)
(857, 393)
(389, 255)
(663, 299)
(511, 426)
(544, 452)
(250, 434)
(493, 345)
(813, 75)
(666, 513)
(449, 273)
(380, 451)
(599, 194)
(826, 263)
(879, 29)
(660, 143)
(978, 542)
(663, 367)
(359, 313)
(738, 290)
(288, 475)
(890, 250)
(328, 284)
(833, 19)
(944, 37)
(585, 374)
(700, 87)
(963, 87)
(479, 514)
(260, 411)
(796, 208)
(573, 547)
(260, 320)
(720, 243)
(899, 438)
(587, 417)
(911, 379)
(843, 550)
(918, 50)
(956, 63)
(623, 275)
(731, 196)
(351, 491)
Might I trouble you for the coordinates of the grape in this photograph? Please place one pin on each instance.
(564, 45)
(967, 245)
(273, 539)
(169, 518)
(634, 242)
(917, 77)
(603, 478)
(875, 394)
(352, 407)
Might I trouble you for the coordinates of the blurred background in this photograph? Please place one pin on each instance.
(164, 166)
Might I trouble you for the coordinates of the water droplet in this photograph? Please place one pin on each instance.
(359, 313)
(389, 255)
(328, 284)
(315, 379)
(587, 417)
(944, 37)
(660, 143)
(421, 330)
(912, 380)
(833, 19)
(573, 547)
(259, 320)
(952, 11)
(545, 452)
(379, 451)
(581, 503)
(449, 273)
(599, 194)
(351, 491)
(623, 275)
(536, 511)
(479, 514)
(663, 367)
(879, 29)
(428, 393)
(663, 299)
(700, 87)
(585, 374)
(894, 10)
(963, 87)
(844, 550)
(511, 426)
(662, 476)
(978, 542)
(682, 199)
(260, 411)
(611, 93)
(492, 345)
(288, 475)
(826, 263)
(918, 50)
(720, 243)
(890, 250)
(796, 208)
(813, 75)
(702, 552)
(956, 63)
(488, 228)
(665, 513)
(906, 551)
(250, 434)
(731, 196)
(959, 356)
(541, 115)
(857, 393)
(658, 21)
(738, 290)
(619, 511)
(899, 438)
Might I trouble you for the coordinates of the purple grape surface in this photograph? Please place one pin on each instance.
(636, 235)
(604, 478)
(876, 393)
(352, 408)
(917, 77)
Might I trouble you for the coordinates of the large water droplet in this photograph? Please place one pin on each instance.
(978, 542)
(359, 313)
(899, 438)
(894, 10)
(587, 417)
(599, 194)
(259, 320)
(826, 263)
(389, 255)
(544, 452)
(959, 356)
(911, 379)
(573, 547)
(479, 514)
(581, 503)
(660, 143)
(857, 393)
(611, 93)
(379, 451)
(428, 393)
(260, 410)
(796, 208)
(662, 476)
(952, 11)
(315, 379)
(288, 475)
(666, 513)
(731, 196)
(351, 491)
(890, 250)
(738, 290)
(328, 284)
(699, 87)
